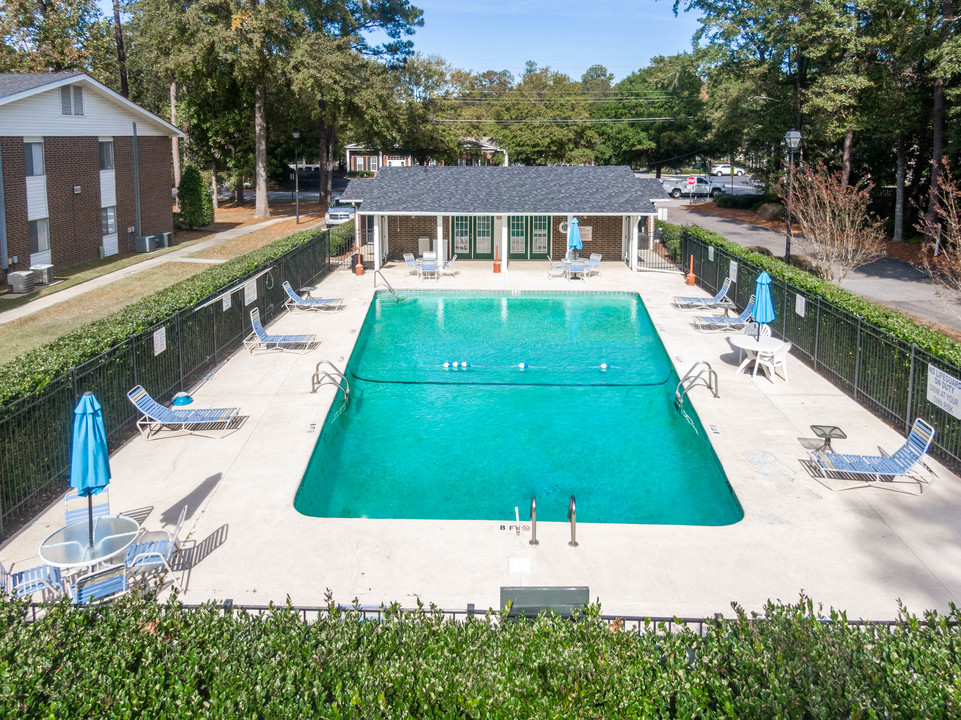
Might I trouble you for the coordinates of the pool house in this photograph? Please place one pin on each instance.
(505, 213)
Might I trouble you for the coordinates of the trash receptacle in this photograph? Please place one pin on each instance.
(145, 243)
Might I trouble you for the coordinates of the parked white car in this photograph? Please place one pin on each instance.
(339, 212)
(675, 187)
(721, 169)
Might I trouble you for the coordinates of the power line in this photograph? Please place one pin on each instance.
(571, 121)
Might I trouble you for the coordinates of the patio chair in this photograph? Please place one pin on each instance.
(720, 300)
(592, 264)
(557, 269)
(411, 261)
(24, 583)
(153, 551)
(771, 361)
(576, 268)
(259, 338)
(428, 268)
(301, 303)
(723, 322)
(99, 586)
(896, 465)
(77, 509)
(448, 266)
(155, 416)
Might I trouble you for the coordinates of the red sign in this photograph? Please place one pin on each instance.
(691, 180)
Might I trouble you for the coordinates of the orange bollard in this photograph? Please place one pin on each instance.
(497, 262)
(691, 280)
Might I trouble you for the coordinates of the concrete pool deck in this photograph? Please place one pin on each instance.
(854, 546)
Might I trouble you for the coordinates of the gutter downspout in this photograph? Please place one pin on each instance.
(3, 223)
(136, 180)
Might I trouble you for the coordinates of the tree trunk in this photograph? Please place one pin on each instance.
(214, 193)
(898, 235)
(121, 52)
(175, 141)
(328, 189)
(261, 209)
(239, 190)
(846, 158)
(937, 123)
(323, 134)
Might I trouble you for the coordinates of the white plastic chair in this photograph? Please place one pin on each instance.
(771, 361)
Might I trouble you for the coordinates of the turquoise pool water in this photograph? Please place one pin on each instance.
(421, 441)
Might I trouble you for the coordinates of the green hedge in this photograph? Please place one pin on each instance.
(892, 321)
(36, 368)
(135, 658)
(749, 201)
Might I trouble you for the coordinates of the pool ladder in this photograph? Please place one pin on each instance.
(330, 377)
(379, 274)
(705, 374)
(571, 516)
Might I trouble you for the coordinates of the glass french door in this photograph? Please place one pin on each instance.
(473, 237)
(529, 237)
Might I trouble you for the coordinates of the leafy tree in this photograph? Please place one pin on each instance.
(596, 81)
(196, 206)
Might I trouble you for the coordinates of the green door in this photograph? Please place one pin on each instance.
(529, 237)
(473, 237)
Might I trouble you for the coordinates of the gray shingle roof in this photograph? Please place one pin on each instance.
(509, 190)
(356, 189)
(13, 83)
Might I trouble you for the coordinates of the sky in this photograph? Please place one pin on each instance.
(569, 36)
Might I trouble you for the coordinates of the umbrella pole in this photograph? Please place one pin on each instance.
(90, 517)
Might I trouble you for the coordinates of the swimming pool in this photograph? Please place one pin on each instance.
(543, 394)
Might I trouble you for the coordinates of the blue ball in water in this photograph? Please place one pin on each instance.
(446, 365)
(522, 366)
(604, 367)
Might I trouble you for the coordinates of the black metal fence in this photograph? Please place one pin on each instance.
(658, 256)
(882, 372)
(169, 357)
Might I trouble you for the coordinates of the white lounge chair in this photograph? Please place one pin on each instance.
(259, 338)
(156, 416)
(722, 322)
(896, 465)
(720, 300)
(301, 303)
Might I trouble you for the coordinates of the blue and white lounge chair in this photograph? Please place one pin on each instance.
(153, 551)
(259, 338)
(24, 583)
(896, 465)
(155, 416)
(720, 300)
(592, 264)
(448, 266)
(412, 268)
(301, 303)
(722, 322)
(77, 507)
(557, 269)
(100, 586)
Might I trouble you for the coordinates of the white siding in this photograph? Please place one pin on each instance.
(37, 197)
(41, 114)
(110, 244)
(108, 188)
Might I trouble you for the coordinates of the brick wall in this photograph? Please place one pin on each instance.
(605, 233)
(403, 232)
(75, 230)
(156, 205)
(15, 202)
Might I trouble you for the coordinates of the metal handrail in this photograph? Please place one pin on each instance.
(690, 379)
(572, 517)
(534, 540)
(327, 379)
(323, 377)
(378, 273)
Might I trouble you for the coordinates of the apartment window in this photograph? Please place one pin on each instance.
(71, 100)
(33, 158)
(106, 154)
(39, 235)
(108, 220)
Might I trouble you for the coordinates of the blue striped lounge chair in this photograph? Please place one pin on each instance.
(720, 300)
(259, 338)
(24, 583)
(155, 416)
(411, 261)
(899, 464)
(154, 551)
(99, 586)
(723, 322)
(301, 303)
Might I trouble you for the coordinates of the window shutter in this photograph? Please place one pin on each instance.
(66, 106)
(77, 100)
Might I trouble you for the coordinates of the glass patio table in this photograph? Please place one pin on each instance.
(70, 548)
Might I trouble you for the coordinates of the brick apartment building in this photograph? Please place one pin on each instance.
(83, 171)
(517, 213)
(476, 152)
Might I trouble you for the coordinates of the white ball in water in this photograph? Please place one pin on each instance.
(604, 367)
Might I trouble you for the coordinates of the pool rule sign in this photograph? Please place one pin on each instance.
(944, 390)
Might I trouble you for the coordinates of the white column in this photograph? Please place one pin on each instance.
(650, 232)
(633, 245)
(567, 240)
(377, 253)
(440, 241)
(505, 225)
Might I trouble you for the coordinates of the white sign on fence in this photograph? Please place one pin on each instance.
(159, 341)
(732, 272)
(800, 305)
(944, 391)
(250, 292)
(225, 303)
(710, 253)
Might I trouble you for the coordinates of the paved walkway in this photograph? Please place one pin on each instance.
(888, 282)
(178, 255)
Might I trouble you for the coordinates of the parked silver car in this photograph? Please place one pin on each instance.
(339, 212)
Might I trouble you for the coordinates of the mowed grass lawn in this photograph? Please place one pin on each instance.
(45, 325)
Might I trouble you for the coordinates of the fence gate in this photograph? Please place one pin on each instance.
(654, 256)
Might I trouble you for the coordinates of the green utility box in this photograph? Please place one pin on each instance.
(532, 601)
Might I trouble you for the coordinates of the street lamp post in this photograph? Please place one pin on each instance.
(296, 134)
(791, 139)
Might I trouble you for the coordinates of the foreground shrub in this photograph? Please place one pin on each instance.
(196, 205)
(135, 658)
(741, 202)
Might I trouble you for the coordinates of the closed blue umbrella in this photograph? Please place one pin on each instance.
(574, 236)
(89, 465)
(763, 304)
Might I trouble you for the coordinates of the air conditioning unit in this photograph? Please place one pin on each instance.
(163, 239)
(423, 245)
(145, 243)
(42, 274)
(20, 281)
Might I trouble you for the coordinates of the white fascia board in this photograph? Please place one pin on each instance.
(90, 82)
(496, 212)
